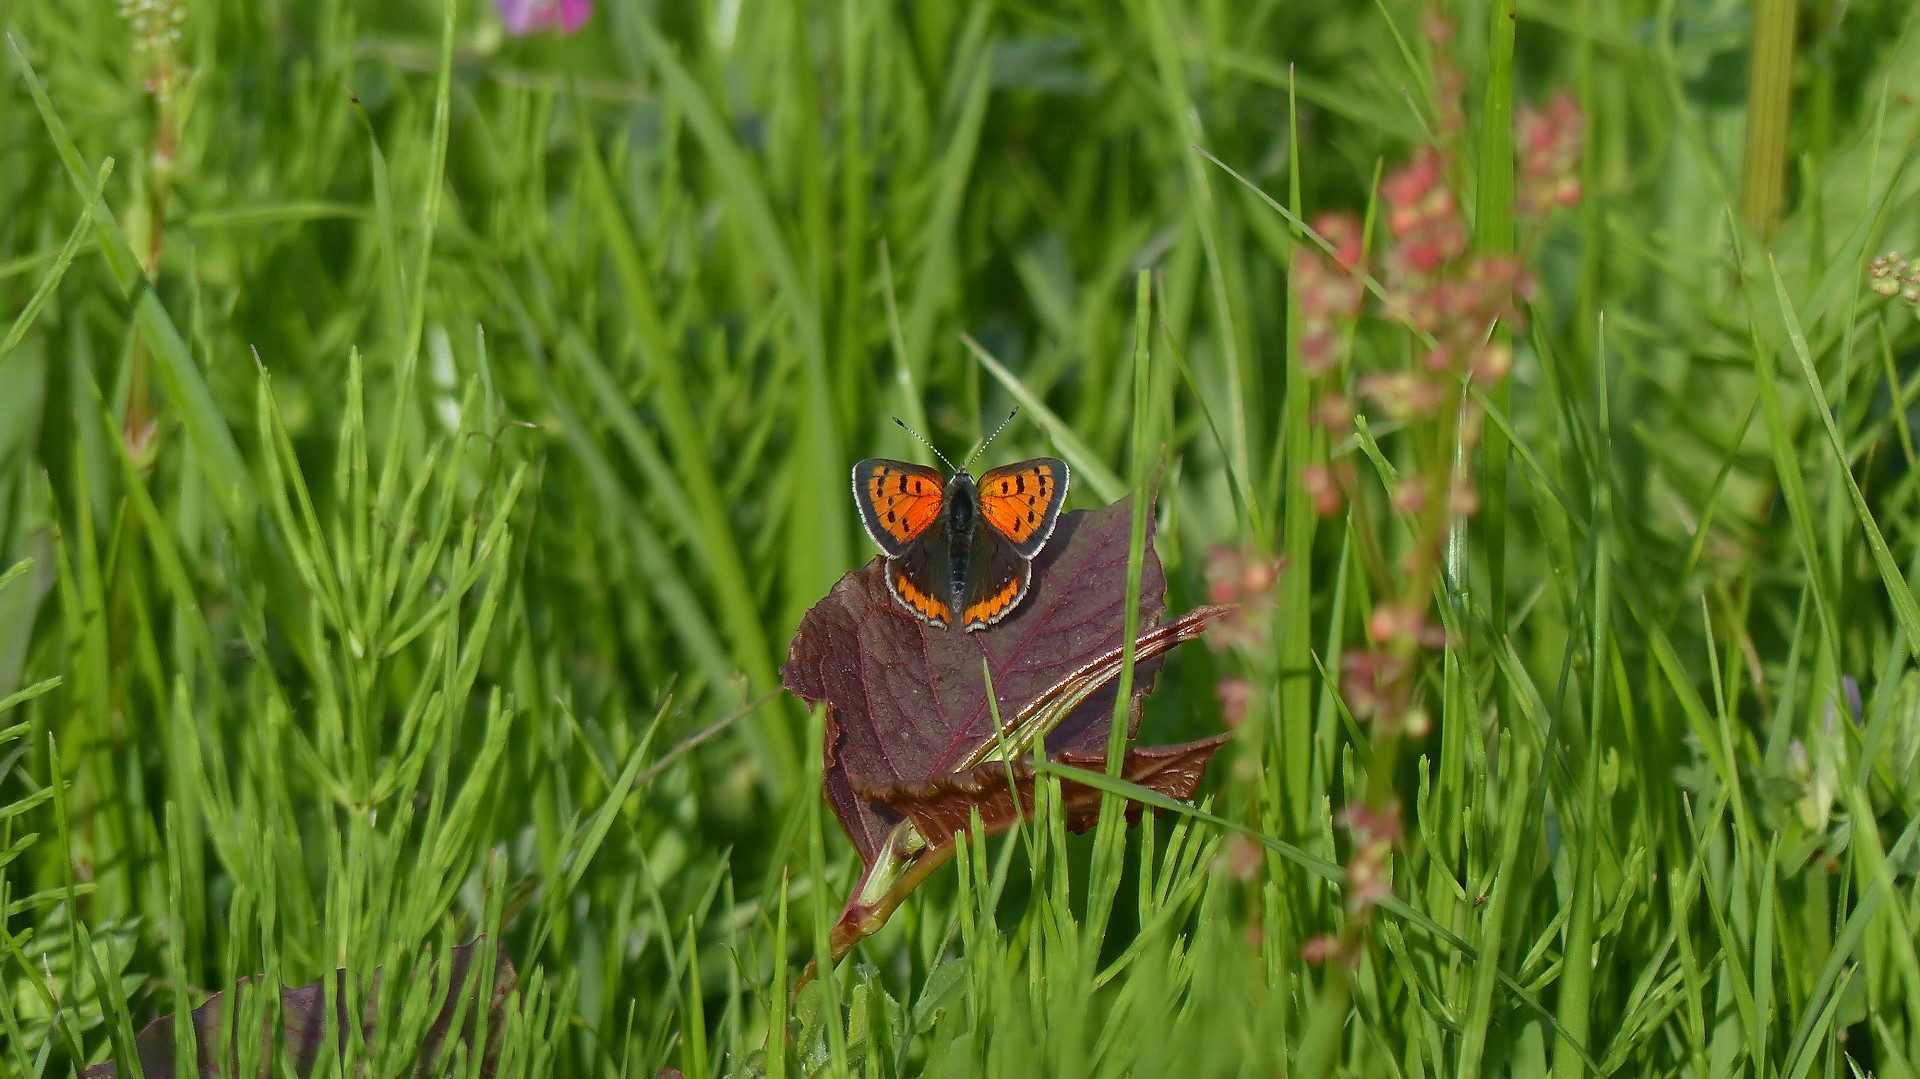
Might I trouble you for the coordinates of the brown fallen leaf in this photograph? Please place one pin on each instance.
(306, 1031)
(912, 749)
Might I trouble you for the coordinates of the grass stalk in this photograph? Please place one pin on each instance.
(1763, 164)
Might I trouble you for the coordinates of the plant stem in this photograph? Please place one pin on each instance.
(1763, 173)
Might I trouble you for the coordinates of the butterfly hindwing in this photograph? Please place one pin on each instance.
(898, 501)
(1022, 502)
(997, 578)
(920, 576)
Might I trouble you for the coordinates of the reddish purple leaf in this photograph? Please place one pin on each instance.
(947, 805)
(306, 1030)
(909, 723)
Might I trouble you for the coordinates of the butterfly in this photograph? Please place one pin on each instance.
(957, 550)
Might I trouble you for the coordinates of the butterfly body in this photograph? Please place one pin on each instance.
(960, 552)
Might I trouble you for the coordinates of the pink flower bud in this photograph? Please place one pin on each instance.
(1549, 141)
(1240, 858)
(1410, 495)
(1319, 353)
(1321, 949)
(1333, 413)
(1403, 395)
(1885, 272)
(1491, 364)
(1464, 499)
(1391, 623)
(1369, 825)
(1234, 694)
(1322, 489)
(1341, 231)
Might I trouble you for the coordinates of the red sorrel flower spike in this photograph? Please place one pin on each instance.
(1549, 146)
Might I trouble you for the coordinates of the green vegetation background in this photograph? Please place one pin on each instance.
(379, 571)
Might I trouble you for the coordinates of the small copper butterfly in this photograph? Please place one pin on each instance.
(959, 550)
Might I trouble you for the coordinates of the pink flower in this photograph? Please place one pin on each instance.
(1375, 833)
(1893, 274)
(1370, 825)
(1319, 352)
(1240, 858)
(1549, 145)
(1491, 362)
(1330, 297)
(1246, 583)
(1370, 682)
(1323, 487)
(1343, 232)
(1403, 395)
(524, 17)
(1885, 272)
(1234, 577)
(1410, 497)
(1464, 499)
(1333, 413)
(1391, 622)
(1423, 215)
(1327, 948)
(1234, 694)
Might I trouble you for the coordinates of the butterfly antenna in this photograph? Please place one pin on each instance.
(924, 442)
(994, 435)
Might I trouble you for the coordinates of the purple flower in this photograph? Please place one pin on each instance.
(523, 17)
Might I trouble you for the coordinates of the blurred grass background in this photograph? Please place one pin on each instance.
(417, 450)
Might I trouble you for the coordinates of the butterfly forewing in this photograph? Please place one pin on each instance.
(1022, 501)
(898, 501)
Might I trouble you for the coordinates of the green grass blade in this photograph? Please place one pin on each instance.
(24, 321)
(1905, 609)
(1086, 464)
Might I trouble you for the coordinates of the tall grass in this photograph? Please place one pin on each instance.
(417, 446)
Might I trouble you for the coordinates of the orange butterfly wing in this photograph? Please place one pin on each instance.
(904, 579)
(1022, 501)
(898, 501)
(995, 589)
